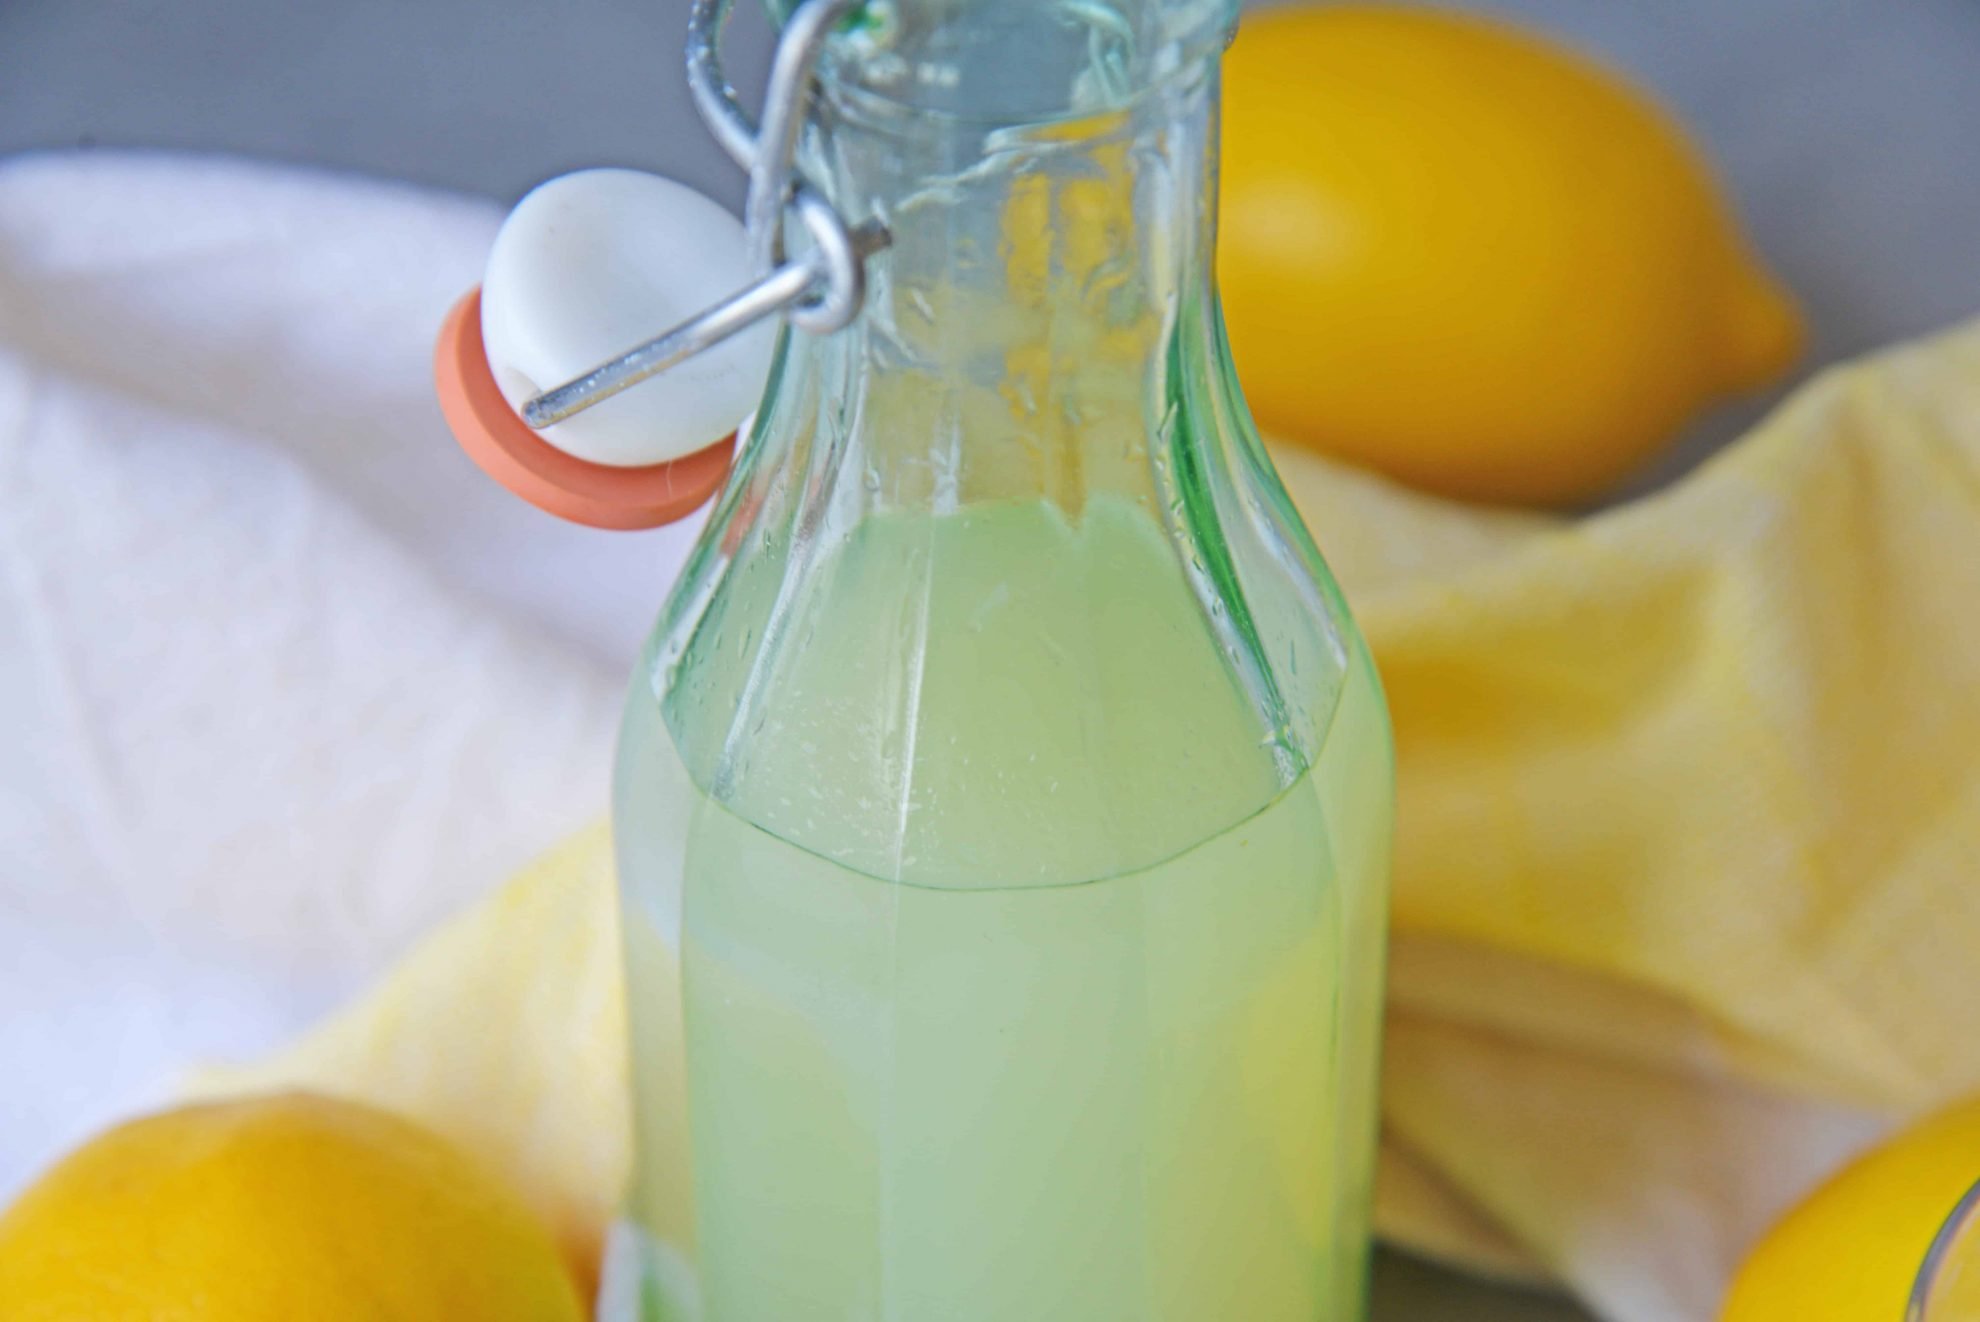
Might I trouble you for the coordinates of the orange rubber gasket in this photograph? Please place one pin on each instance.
(503, 446)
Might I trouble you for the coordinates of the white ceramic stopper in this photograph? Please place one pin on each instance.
(591, 264)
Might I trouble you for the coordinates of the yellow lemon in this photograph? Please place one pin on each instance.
(1849, 1252)
(1470, 259)
(292, 1206)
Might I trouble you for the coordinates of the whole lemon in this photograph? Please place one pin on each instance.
(1470, 259)
(291, 1206)
(1849, 1251)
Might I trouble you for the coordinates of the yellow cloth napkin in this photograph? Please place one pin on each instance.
(1688, 873)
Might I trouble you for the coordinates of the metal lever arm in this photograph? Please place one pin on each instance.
(822, 289)
(838, 267)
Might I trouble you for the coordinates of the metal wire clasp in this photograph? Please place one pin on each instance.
(820, 291)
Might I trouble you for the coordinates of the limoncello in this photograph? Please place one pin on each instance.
(1055, 1003)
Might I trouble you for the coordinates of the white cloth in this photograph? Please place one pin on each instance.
(282, 678)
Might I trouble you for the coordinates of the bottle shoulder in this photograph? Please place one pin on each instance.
(1001, 692)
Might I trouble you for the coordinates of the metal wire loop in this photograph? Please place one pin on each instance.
(785, 101)
(727, 121)
(841, 257)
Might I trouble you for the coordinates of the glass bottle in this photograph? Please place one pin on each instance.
(1947, 1287)
(1005, 798)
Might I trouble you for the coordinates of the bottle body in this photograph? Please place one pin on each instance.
(1030, 1093)
(1005, 801)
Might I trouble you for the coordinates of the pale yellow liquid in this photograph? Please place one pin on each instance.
(1028, 982)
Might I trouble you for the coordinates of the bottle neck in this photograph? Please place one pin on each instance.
(1004, 555)
(1017, 337)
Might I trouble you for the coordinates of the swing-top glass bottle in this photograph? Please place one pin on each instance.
(1005, 798)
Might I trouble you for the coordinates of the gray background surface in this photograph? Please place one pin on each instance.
(1848, 130)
